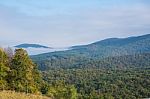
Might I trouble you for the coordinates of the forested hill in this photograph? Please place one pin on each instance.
(81, 55)
(117, 62)
(106, 48)
(117, 41)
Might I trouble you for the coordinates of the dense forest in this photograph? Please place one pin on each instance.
(118, 62)
(121, 77)
(104, 84)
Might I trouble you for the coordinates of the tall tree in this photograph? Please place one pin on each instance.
(4, 69)
(22, 70)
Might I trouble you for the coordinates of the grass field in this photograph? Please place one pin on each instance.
(15, 95)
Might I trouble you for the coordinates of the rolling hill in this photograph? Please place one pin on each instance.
(30, 45)
(108, 48)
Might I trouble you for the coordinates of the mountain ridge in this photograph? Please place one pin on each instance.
(107, 40)
(95, 51)
(105, 44)
(27, 45)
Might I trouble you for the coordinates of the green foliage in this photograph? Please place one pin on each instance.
(22, 69)
(19, 73)
(4, 69)
(119, 62)
(59, 90)
(104, 84)
(119, 77)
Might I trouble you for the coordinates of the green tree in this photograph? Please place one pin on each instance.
(60, 90)
(22, 71)
(4, 69)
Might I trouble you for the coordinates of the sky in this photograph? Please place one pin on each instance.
(62, 23)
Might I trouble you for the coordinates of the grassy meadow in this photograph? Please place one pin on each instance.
(16, 95)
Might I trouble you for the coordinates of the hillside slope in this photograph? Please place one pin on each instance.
(106, 48)
(117, 62)
(82, 55)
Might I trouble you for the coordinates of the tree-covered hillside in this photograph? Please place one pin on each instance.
(105, 84)
(96, 51)
(117, 62)
(120, 77)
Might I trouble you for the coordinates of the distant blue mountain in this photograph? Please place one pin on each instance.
(31, 46)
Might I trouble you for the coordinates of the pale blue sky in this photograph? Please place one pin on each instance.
(60, 23)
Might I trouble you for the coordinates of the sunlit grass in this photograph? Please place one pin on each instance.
(16, 95)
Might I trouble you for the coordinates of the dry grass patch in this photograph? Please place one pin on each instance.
(15, 95)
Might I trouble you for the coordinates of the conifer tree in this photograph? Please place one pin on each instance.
(4, 69)
(22, 70)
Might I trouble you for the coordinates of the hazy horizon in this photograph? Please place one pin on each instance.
(68, 23)
(64, 47)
